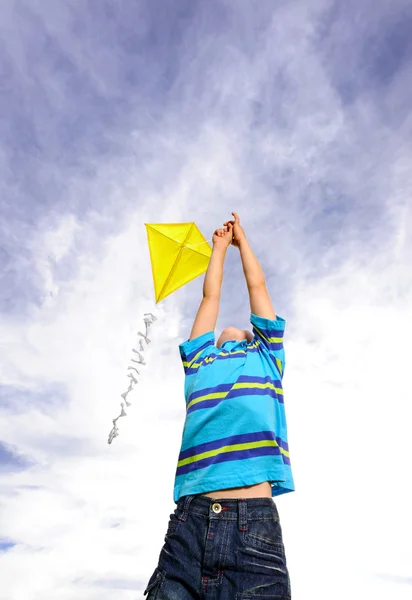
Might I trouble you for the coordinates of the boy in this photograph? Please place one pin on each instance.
(224, 540)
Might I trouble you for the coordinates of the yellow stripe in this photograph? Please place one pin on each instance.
(209, 359)
(246, 385)
(271, 340)
(279, 365)
(223, 449)
(191, 365)
(207, 397)
(188, 363)
(261, 386)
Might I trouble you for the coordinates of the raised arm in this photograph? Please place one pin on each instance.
(208, 311)
(260, 302)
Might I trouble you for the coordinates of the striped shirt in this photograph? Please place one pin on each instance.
(235, 432)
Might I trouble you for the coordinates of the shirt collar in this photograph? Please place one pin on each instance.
(233, 343)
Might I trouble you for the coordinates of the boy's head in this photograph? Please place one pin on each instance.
(233, 333)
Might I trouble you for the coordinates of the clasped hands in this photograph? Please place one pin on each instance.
(231, 233)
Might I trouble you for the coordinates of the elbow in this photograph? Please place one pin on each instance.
(212, 295)
(258, 283)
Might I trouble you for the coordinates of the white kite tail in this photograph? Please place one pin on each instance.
(149, 318)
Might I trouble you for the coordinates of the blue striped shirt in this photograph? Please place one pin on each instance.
(235, 431)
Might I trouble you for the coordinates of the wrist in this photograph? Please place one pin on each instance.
(217, 247)
(242, 242)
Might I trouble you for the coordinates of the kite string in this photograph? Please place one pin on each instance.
(206, 242)
(149, 318)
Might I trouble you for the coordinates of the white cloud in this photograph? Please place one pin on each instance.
(254, 123)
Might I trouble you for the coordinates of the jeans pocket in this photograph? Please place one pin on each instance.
(154, 584)
(266, 535)
(173, 525)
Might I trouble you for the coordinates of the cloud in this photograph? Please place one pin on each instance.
(396, 578)
(5, 545)
(296, 117)
(12, 461)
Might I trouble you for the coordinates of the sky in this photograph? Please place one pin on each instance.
(295, 115)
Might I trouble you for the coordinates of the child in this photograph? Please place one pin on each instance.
(224, 539)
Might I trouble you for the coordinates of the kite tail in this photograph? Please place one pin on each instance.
(149, 318)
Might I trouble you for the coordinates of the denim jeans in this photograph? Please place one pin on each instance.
(222, 549)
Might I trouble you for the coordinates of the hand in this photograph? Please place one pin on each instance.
(238, 233)
(223, 237)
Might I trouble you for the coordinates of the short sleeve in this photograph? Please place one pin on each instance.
(193, 350)
(269, 335)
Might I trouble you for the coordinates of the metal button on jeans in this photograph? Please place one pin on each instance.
(216, 507)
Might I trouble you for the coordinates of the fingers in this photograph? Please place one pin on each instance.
(221, 232)
(236, 221)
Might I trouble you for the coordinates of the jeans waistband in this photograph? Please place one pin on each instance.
(240, 509)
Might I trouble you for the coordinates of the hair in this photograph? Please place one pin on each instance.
(228, 331)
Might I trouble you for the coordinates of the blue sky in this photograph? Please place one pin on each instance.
(295, 115)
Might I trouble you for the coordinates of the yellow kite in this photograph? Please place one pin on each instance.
(178, 253)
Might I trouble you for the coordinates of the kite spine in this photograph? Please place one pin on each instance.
(149, 318)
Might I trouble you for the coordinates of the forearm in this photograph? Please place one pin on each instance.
(214, 275)
(251, 266)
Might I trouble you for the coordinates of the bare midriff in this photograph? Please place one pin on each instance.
(259, 490)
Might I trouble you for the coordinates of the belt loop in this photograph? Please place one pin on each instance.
(242, 514)
(185, 510)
